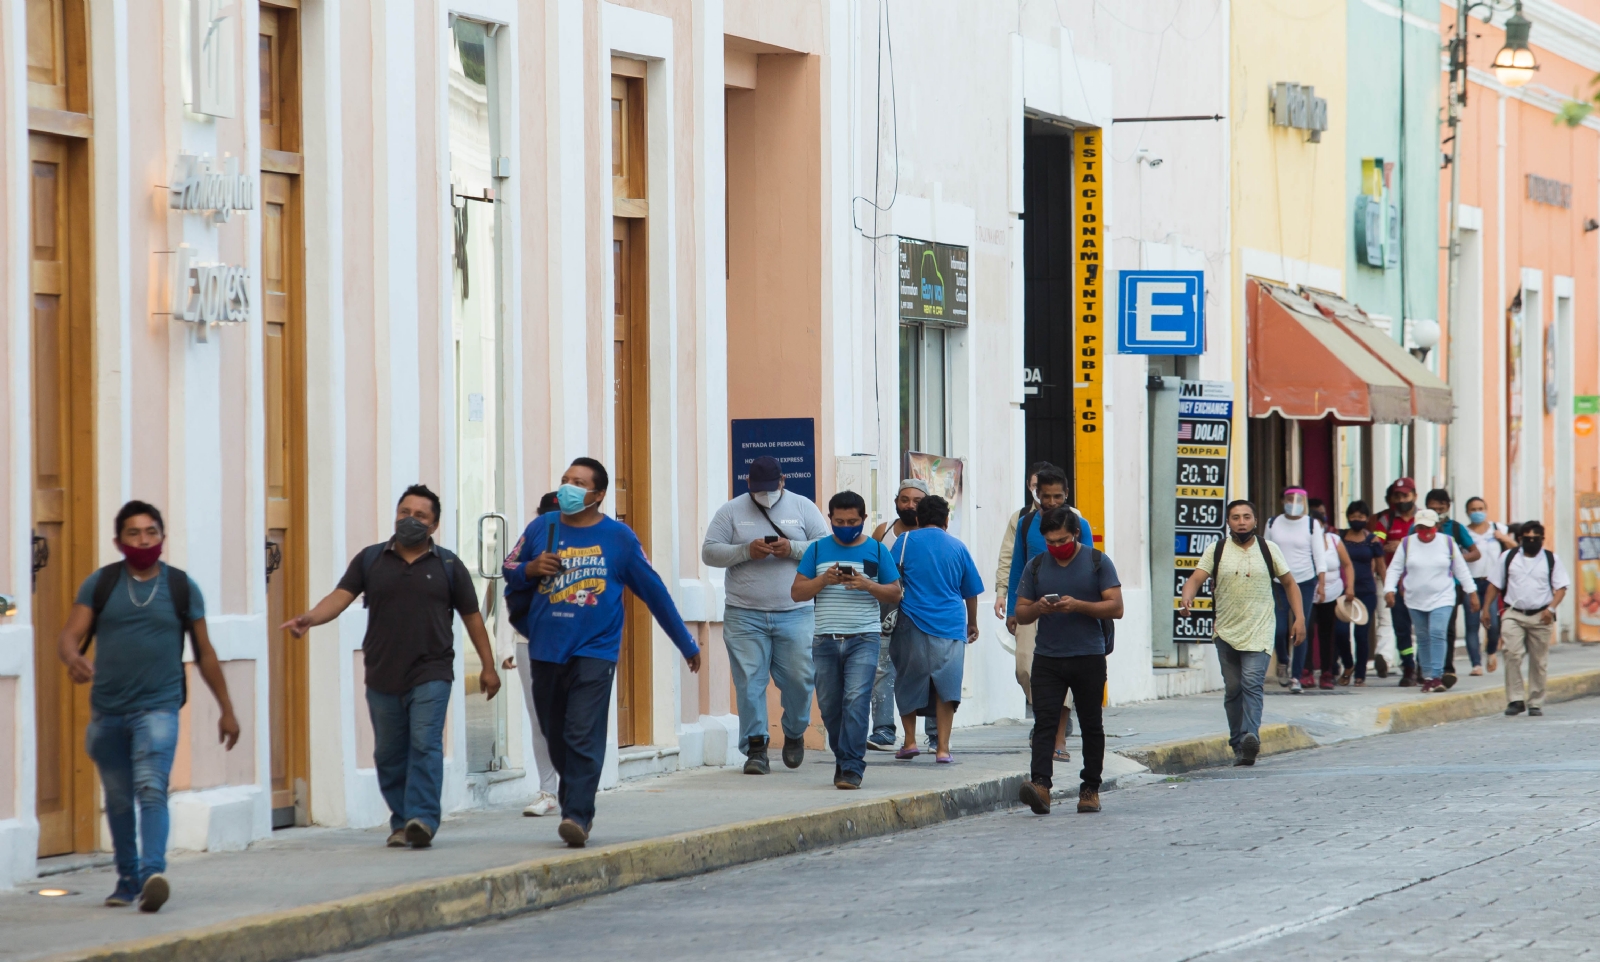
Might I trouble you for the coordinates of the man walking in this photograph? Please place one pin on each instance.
(849, 575)
(547, 802)
(1391, 526)
(912, 491)
(1244, 616)
(1070, 595)
(759, 537)
(1533, 582)
(139, 610)
(577, 561)
(1299, 536)
(412, 586)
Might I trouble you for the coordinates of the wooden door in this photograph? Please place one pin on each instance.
(62, 484)
(283, 359)
(630, 484)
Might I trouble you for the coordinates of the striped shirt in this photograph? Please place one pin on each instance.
(840, 610)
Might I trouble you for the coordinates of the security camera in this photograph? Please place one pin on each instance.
(1145, 157)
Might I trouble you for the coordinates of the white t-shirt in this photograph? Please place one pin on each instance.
(1300, 540)
(1488, 549)
(1533, 581)
(1333, 580)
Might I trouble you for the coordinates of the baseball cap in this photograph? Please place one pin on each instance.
(765, 474)
(1403, 484)
(1426, 518)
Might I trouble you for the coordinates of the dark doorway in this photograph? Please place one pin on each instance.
(1047, 294)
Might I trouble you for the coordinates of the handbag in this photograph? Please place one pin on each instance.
(891, 615)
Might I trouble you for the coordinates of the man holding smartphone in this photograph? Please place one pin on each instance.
(849, 575)
(1069, 594)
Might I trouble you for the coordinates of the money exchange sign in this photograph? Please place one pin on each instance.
(1205, 435)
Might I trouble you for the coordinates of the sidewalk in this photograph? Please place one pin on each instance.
(273, 901)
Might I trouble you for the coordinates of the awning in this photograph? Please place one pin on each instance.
(1303, 365)
(1430, 396)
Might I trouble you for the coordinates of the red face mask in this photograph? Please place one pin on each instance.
(1062, 552)
(1425, 535)
(141, 558)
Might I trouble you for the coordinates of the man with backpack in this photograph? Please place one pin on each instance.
(412, 586)
(138, 610)
(547, 801)
(1244, 617)
(1073, 599)
(564, 594)
(1532, 582)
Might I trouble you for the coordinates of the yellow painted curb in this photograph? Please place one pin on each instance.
(1430, 710)
(1211, 751)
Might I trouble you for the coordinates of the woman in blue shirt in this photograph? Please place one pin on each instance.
(1366, 556)
(939, 580)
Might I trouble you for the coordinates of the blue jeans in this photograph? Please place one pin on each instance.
(1308, 591)
(408, 748)
(1430, 630)
(846, 666)
(134, 755)
(775, 645)
(1243, 675)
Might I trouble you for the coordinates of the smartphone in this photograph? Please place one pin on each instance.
(771, 539)
(1052, 599)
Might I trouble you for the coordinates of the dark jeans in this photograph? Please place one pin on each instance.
(134, 754)
(1363, 635)
(1326, 656)
(1308, 591)
(408, 749)
(845, 667)
(1450, 635)
(1052, 677)
(1491, 637)
(573, 702)
(1400, 618)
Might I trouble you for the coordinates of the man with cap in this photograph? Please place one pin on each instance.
(1432, 567)
(882, 739)
(1391, 527)
(760, 537)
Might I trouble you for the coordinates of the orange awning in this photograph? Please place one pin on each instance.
(1303, 365)
(1430, 395)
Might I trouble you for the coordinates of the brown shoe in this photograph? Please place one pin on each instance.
(397, 838)
(575, 835)
(1036, 797)
(1088, 799)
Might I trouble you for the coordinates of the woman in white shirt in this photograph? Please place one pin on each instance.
(1430, 568)
(1338, 582)
(1491, 537)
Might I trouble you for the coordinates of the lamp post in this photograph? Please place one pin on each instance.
(1513, 66)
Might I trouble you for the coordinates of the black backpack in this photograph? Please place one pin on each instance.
(1108, 626)
(1216, 567)
(372, 552)
(106, 581)
(1549, 573)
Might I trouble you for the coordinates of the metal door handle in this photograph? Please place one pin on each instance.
(493, 571)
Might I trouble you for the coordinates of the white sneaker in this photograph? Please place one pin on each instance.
(1294, 687)
(545, 804)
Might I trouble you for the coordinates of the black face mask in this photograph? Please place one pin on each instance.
(1404, 508)
(1242, 538)
(410, 532)
(908, 516)
(1358, 525)
(1531, 546)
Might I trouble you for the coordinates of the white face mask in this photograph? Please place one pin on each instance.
(766, 498)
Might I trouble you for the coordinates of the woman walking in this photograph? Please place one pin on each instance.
(1431, 567)
(1365, 552)
(1338, 583)
(938, 616)
(1491, 537)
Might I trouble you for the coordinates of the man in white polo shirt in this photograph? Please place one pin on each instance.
(1533, 582)
(1299, 536)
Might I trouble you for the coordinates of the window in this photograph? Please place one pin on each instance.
(924, 388)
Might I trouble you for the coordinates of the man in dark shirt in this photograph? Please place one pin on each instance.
(412, 587)
(1069, 593)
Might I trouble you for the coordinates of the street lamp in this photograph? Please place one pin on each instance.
(1514, 64)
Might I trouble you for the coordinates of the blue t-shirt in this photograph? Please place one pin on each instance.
(841, 610)
(138, 644)
(939, 576)
(578, 613)
(1030, 542)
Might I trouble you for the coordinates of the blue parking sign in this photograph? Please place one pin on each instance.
(1162, 312)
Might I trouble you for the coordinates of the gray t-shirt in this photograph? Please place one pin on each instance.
(139, 643)
(1073, 635)
(762, 584)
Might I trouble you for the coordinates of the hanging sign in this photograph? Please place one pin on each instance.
(199, 184)
(1205, 438)
(933, 282)
(1588, 566)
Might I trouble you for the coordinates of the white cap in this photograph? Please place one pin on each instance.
(1427, 518)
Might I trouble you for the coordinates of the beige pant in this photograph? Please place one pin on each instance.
(1026, 636)
(1524, 634)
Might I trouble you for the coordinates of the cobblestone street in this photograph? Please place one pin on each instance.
(1477, 840)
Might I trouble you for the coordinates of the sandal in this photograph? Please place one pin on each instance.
(1477, 670)
(906, 754)
(1346, 675)
(1062, 755)
(944, 759)
(1360, 683)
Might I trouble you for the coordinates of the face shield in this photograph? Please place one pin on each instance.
(1295, 503)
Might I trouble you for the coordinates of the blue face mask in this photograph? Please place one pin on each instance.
(570, 498)
(847, 533)
(1477, 517)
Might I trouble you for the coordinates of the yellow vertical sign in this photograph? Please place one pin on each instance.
(1088, 446)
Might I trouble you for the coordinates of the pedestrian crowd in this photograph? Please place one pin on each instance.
(873, 625)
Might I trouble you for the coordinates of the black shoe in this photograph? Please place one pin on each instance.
(1035, 796)
(1408, 677)
(1249, 748)
(1516, 708)
(794, 751)
(1535, 711)
(755, 760)
(1380, 665)
(418, 834)
(848, 781)
(154, 893)
(1449, 680)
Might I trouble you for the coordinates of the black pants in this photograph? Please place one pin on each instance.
(573, 701)
(1327, 652)
(1450, 632)
(1052, 677)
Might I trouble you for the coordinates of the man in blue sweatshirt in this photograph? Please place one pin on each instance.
(571, 566)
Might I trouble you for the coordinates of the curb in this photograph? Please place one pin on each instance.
(1438, 709)
(1212, 751)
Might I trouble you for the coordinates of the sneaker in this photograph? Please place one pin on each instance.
(1380, 665)
(880, 741)
(1535, 711)
(1516, 708)
(1283, 676)
(755, 757)
(1249, 748)
(1035, 796)
(418, 834)
(1408, 677)
(126, 894)
(154, 893)
(1295, 687)
(847, 781)
(1088, 799)
(794, 751)
(545, 804)
(575, 835)
(1325, 683)
(1307, 679)
(397, 838)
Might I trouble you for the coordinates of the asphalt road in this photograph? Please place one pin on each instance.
(1478, 840)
